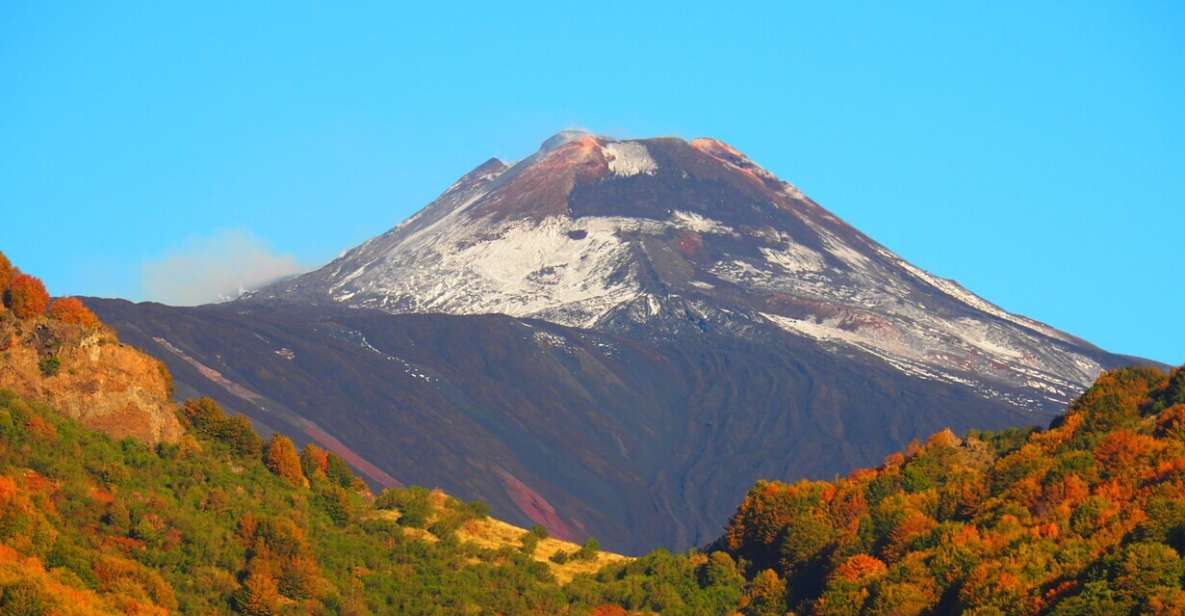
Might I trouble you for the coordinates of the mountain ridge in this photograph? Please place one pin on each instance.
(661, 235)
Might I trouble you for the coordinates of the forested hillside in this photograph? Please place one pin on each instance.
(99, 515)
(222, 523)
(1087, 517)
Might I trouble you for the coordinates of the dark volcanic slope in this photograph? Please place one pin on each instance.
(637, 442)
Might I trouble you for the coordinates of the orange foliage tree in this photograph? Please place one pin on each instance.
(72, 310)
(26, 296)
(314, 461)
(260, 596)
(7, 271)
(860, 567)
(282, 459)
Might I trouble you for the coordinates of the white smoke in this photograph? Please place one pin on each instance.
(216, 268)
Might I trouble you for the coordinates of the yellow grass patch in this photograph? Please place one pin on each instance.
(496, 534)
(493, 534)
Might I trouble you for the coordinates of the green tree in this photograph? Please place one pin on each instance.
(314, 461)
(339, 471)
(588, 550)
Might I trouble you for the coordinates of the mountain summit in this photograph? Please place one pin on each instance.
(667, 237)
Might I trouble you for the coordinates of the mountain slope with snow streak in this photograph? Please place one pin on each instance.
(664, 237)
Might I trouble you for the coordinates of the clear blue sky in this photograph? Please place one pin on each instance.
(1035, 153)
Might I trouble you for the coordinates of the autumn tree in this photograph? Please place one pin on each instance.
(208, 419)
(72, 310)
(7, 271)
(260, 596)
(766, 595)
(847, 589)
(1114, 400)
(26, 296)
(314, 461)
(860, 567)
(281, 458)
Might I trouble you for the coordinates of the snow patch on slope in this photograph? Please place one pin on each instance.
(957, 291)
(628, 159)
(700, 224)
(520, 268)
(985, 338)
(795, 259)
(980, 351)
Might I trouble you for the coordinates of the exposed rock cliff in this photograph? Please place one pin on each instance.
(88, 374)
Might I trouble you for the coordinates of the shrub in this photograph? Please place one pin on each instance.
(72, 310)
(475, 510)
(414, 504)
(530, 542)
(208, 419)
(445, 526)
(50, 366)
(588, 551)
(26, 296)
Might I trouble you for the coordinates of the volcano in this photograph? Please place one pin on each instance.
(666, 236)
(617, 338)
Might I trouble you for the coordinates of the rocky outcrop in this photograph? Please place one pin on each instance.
(89, 375)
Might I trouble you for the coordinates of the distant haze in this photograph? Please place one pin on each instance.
(214, 268)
